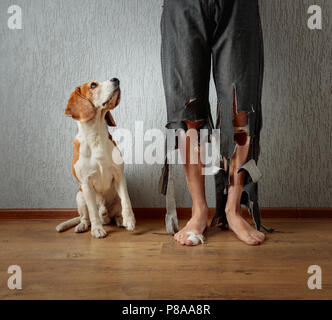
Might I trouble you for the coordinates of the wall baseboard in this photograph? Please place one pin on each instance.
(159, 213)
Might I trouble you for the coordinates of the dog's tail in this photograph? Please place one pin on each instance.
(68, 224)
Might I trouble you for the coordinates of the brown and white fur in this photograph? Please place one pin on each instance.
(103, 194)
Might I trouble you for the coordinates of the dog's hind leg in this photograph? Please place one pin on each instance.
(115, 211)
(84, 224)
(102, 209)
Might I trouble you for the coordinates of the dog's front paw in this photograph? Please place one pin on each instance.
(82, 227)
(98, 232)
(128, 221)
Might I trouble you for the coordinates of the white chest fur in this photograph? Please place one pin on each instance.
(95, 164)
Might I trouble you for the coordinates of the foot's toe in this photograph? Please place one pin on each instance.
(259, 236)
(188, 243)
(248, 239)
(252, 242)
(183, 239)
(178, 237)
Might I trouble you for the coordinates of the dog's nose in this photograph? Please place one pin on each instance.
(115, 80)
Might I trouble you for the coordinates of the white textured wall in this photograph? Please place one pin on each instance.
(65, 43)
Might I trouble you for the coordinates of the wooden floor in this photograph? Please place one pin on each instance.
(148, 264)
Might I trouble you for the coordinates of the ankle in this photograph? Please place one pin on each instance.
(233, 212)
(200, 211)
(201, 206)
(199, 203)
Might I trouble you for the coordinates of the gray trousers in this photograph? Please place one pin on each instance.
(227, 35)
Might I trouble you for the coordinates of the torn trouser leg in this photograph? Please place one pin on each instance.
(166, 187)
(238, 68)
(251, 190)
(249, 196)
(167, 179)
(171, 219)
(230, 31)
(219, 218)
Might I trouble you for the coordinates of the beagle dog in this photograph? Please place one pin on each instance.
(97, 162)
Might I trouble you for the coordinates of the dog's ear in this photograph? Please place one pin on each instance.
(109, 119)
(79, 108)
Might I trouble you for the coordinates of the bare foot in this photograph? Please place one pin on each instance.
(243, 230)
(196, 224)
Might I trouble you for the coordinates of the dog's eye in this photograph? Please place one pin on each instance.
(93, 85)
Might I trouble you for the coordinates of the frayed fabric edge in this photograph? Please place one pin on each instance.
(222, 178)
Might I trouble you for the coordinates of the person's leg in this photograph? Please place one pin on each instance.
(186, 67)
(190, 150)
(238, 72)
(236, 222)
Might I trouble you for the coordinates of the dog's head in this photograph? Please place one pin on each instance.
(92, 96)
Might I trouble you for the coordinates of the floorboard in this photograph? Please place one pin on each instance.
(148, 264)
